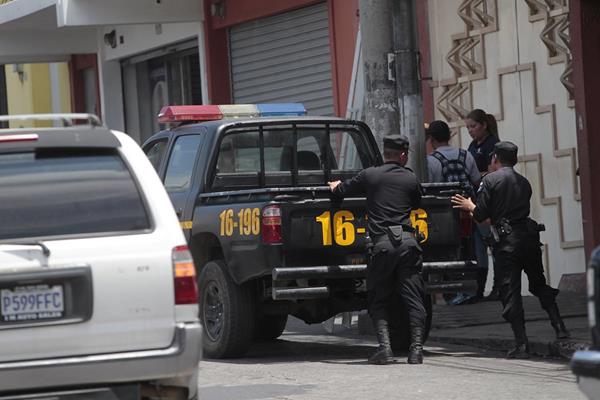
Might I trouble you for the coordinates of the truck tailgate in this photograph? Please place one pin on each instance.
(320, 224)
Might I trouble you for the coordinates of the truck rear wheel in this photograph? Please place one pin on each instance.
(270, 327)
(226, 312)
(400, 328)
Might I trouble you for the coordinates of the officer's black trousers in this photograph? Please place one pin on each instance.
(396, 268)
(520, 252)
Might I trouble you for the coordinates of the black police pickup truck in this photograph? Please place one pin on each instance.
(586, 364)
(249, 184)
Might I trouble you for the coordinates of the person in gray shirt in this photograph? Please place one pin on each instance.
(451, 164)
(448, 163)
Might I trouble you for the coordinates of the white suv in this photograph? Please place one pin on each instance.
(98, 292)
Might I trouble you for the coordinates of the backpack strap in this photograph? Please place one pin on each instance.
(462, 157)
(441, 158)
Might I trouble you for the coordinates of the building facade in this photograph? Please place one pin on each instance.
(513, 59)
(281, 51)
(37, 88)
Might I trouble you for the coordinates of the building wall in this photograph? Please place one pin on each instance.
(512, 58)
(30, 89)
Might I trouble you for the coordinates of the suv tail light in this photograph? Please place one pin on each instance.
(466, 224)
(186, 287)
(271, 224)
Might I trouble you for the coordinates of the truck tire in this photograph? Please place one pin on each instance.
(400, 329)
(269, 327)
(226, 312)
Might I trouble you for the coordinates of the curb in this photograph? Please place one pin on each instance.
(563, 348)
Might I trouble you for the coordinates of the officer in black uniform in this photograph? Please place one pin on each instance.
(395, 258)
(503, 198)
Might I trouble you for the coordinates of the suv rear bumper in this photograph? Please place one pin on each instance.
(178, 362)
(586, 365)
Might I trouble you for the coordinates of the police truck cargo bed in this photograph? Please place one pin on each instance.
(267, 236)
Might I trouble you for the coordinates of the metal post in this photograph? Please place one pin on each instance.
(380, 102)
(410, 101)
(585, 29)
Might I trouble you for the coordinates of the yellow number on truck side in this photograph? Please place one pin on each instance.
(247, 222)
(343, 230)
(418, 219)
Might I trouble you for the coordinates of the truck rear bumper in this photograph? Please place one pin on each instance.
(285, 289)
(176, 363)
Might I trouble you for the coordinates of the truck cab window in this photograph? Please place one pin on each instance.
(181, 164)
(239, 153)
(347, 151)
(156, 152)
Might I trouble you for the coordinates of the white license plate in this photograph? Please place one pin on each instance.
(31, 302)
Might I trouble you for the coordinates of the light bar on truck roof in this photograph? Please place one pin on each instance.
(169, 114)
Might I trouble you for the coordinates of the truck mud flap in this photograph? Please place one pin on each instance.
(283, 279)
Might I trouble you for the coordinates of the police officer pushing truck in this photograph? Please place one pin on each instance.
(395, 257)
(503, 199)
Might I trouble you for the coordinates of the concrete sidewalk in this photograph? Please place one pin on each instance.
(481, 325)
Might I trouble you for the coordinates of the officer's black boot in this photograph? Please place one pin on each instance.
(521, 349)
(557, 322)
(383, 354)
(415, 351)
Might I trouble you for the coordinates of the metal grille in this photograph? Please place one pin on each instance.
(284, 58)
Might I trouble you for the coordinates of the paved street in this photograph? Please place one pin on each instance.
(308, 364)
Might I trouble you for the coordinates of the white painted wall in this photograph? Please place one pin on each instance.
(142, 38)
(45, 45)
(111, 89)
(116, 12)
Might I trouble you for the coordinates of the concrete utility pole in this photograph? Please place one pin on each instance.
(410, 101)
(393, 102)
(381, 101)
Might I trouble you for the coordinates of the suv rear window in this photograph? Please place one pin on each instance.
(68, 193)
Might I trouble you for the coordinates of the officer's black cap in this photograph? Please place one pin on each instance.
(439, 130)
(397, 142)
(506, 151)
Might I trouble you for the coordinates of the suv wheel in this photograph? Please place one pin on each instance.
(226, 312)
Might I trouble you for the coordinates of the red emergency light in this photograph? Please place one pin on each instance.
(189, 113)
(26, 137)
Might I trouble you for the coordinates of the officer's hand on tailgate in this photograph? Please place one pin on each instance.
(333, 185)
(464, 203)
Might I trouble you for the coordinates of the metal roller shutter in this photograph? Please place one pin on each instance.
(284, 58)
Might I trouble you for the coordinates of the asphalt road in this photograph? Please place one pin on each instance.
(306, 363)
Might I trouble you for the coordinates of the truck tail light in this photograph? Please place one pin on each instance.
(466, 225)
(186, 287)
(271, 224)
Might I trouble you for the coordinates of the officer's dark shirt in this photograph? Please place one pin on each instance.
(503, 194)
(392, 192)
(482, 152)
